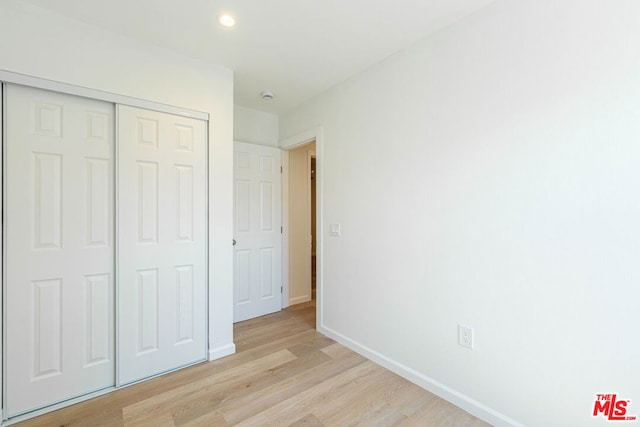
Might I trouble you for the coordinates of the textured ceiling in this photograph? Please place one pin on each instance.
(296, 48)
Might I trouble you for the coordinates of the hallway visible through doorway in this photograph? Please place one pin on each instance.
(301, 232)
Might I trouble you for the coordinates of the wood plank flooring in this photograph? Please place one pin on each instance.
(283, 374)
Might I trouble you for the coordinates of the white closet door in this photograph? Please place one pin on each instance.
(161, 242)
(59, 247)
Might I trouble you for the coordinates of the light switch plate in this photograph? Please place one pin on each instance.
(334, 230)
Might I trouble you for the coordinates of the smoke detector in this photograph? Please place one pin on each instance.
(267, 95)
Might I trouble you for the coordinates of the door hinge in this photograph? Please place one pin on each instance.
(280, 169)
(280, 229)
(280, 289)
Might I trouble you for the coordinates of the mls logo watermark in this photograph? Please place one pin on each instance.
(612, 408)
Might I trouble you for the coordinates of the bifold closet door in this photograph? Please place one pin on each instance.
(161, 242)
(59, 204)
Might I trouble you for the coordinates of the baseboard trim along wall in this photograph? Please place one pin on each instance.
(466, 403)
(300, 300)
(221, 351)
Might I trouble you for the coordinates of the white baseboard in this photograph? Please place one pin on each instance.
(222, 351)
(300, 300)
(466, 403)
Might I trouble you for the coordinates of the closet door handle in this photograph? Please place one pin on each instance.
(234, 242)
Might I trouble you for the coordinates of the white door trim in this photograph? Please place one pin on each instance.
(310, 135)
(2, 258)
(37, 82)
(285, 228)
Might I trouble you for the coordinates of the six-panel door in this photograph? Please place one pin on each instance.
(257, 278)
(59, 247)
(162, 240)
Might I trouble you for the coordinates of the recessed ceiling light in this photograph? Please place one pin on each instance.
(226, 20)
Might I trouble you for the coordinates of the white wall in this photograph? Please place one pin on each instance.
(489, 176)
(255, 127)
(38, 43)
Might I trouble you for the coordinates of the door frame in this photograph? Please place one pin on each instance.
(70, 89)
(296, 141)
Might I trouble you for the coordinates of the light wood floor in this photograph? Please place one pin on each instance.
(283, 374)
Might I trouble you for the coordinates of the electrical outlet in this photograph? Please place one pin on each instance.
(465, 336)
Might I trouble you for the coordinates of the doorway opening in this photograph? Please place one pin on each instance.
(305, 139)
(301, 208)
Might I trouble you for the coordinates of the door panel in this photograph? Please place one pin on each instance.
(161, 242)
(257, 221)
(59, 247)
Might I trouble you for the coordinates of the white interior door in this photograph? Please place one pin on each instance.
(257, 231)
(161, 242)
(59, 301)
